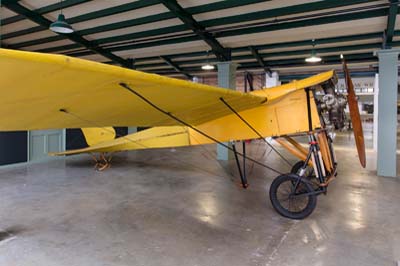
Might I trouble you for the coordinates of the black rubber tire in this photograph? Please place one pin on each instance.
(311, 200)
(296, 167)
(309, 173)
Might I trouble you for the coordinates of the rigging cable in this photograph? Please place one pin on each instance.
(254, 130)
(124, 85)
(96, 124)
(102, 127)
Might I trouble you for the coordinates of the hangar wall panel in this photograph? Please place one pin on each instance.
(13, 147)
(41, 142)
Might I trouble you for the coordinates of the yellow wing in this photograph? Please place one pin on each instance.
(285, 114)
(35, 87)
(277, 92)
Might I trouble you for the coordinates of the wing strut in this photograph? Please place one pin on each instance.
(254, 130)
(124, 85)
(310, 127)
(242, 174)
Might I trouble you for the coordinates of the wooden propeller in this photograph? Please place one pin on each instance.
(355, 116)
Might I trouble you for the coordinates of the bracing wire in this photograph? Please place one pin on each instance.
(254, 130)
(190, 126)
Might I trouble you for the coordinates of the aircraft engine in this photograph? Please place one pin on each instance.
(332, 106)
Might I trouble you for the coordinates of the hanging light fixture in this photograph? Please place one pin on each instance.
(314, 58)
(61, 25)
(207, 66)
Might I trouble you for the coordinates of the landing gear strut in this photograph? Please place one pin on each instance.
(102, 162)
(294, 195)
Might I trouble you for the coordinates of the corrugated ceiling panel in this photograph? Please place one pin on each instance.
(17, 26)
(338, 44)
(37, 4)
(96, 57)
(304, 55)
(32, 36)
(165, 49)
(85, 8)
(138, 13)
(253, 8)
(5, 13)
(304, 33)
(191, 3)
(140, 28)
(248, 9)
(47, 45)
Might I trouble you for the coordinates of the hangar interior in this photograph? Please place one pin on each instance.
(185, 205)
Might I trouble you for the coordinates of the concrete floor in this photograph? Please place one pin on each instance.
(181, 207)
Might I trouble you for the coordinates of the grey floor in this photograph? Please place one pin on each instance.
(181, 207)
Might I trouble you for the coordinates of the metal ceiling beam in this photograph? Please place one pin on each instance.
(362, 57)
(131, 47)
(354, 74)
(39, 19)
(128, 23)
(391, 23)
(130, 63)
(176, 67)
(81, 18)
(305, 23)
(259, 59)
(220, 52)
(331, 40)
(325, 60)
(338, 50)
(173, 29)
(273, 13)
(44, 10)
(283, 11)
(237, 32)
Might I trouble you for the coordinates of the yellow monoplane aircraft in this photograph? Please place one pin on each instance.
(43, 91)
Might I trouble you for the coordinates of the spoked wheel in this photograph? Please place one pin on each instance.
(290, 196)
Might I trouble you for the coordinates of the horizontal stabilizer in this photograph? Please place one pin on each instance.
(95, 135)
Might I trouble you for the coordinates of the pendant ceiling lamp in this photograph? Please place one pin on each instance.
(207, 66)
(61, 25)
(314, 58)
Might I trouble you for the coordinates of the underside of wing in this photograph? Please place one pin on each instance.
(287, 115)
(43, 91)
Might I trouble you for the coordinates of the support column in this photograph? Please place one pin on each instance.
(226, 79)
(376, 108)
(272, 80)
(131, 62)
(132, 130)
(387, 112)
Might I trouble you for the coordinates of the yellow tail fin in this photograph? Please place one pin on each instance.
(95, 135)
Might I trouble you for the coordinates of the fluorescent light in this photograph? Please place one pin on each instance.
(207, 67)
(61, 25)
(313, 59)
